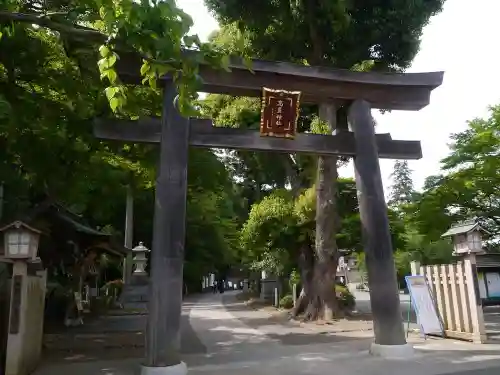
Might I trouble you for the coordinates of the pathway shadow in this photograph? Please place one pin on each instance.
(279, 328)
(111, 337)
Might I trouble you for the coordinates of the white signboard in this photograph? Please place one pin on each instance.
(423, 303)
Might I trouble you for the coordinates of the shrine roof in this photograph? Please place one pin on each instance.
(463, 228)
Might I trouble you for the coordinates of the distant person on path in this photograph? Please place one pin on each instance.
(214, 287)
(221, 286)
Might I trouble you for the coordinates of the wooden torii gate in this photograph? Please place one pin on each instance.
(360, 91)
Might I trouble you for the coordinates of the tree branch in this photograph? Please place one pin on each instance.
(43, 21)
(74, 30)
(317, 44)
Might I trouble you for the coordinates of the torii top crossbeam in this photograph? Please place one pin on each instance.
(404, 91)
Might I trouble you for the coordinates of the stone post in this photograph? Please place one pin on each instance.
(415, 268)
(294, 294)
(475, 303)
(25, 330)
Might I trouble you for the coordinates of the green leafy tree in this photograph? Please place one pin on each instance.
(402, 192)
(48, 99)
(256, 173)
(156, 31)
(472, 168)
(469, 183)
(345, 34)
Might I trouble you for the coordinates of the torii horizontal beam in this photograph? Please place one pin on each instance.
(402, 91)
(203, 134)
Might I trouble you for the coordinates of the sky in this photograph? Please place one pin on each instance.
(461, 42)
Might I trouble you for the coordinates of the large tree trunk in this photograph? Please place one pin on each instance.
(306, 266)
(318, 267)
(318, 298)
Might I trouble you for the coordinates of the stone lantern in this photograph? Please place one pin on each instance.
(140, 259)
(20, 241)
(467, 237)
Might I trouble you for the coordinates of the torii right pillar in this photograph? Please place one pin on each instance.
(390, 340)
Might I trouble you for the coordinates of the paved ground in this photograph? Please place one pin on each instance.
(239, 341)
(492, 322)
(363, 305)
(112, 337)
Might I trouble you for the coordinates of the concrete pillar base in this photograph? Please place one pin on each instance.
(180, 369)
(392, 351)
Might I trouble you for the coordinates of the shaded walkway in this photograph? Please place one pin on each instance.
(111, 337)
(239, 341)
(229, 325)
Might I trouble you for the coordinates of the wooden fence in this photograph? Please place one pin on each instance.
(456, 294)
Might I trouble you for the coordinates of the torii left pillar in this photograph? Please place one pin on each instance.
(167, 254)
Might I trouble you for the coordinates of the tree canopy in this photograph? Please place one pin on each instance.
(325, 32)
(95, 33)
(50, 92)
(345, 34)
(469, 183)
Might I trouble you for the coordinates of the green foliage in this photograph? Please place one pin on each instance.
(212, 231)
(279, 225)
(232, 40)
(413, 246)
(294, 279)
(157, 31)
(286, 302)
(319, 127)
(361, 261)
(113, 288)
(426, 251)
(256, 173)
(402, 192)
(50, 91)
(469, 184)
(345, 298)
(267, 237)
(402, 261)
(341, 33)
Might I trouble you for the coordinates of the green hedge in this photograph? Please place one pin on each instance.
(346, 299)
(286, 302)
